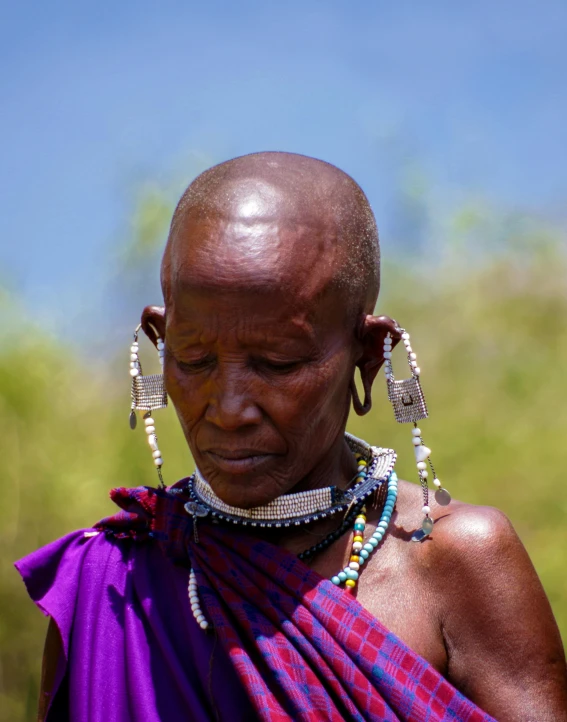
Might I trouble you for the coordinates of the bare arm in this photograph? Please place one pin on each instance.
(51, 653)
(505, 651)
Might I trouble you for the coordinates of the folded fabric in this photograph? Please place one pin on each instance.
(285, 644)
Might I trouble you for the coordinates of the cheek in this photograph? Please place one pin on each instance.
(186, 394)
(315, 399)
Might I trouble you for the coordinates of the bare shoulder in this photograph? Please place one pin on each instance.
(503, 645)
(482, 523)
(464, 535)
(469, 535)
(473, 547)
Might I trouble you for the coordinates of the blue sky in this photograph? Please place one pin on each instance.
(98, 97)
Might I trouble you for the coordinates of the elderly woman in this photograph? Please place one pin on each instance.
(282, 581)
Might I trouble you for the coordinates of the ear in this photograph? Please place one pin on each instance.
(153, 322)
(371, 333)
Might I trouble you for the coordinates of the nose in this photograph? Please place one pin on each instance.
(231, 404)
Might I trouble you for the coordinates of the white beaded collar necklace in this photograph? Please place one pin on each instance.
(301, 507)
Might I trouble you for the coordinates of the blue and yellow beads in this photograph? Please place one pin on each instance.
(361, 550)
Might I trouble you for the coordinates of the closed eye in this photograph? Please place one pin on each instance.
(193, 367)
(278, 367)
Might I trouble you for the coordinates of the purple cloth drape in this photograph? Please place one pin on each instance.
(137, 653)
(286, 644)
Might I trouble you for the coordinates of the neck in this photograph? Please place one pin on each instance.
(318, 511)
(336, 469)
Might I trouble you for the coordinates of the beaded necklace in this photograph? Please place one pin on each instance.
(361, 550)
(374, 470)
(301, 507)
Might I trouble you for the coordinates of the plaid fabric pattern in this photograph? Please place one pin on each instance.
(303, 649)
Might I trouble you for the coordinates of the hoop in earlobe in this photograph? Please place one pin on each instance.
(361, 409)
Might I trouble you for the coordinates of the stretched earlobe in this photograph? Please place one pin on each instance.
(361, 409)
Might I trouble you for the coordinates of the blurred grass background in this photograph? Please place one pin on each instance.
(486, 306)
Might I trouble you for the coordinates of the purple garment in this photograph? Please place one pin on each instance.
(286, 644)
(122, 612)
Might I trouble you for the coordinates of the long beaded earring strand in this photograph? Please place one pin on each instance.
(409, 406)
(148, 394)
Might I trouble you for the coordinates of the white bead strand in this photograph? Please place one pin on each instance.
(193, 591)
(135, 370)
(388, 357)
(134, 360)
(152, 439)
(421, 451)
(161, 350)
(156, 453)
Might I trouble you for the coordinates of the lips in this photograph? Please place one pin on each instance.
(238, 461)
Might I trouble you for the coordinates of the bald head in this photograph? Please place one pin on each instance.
(259, 217)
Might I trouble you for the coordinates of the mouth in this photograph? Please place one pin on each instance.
(239, 461)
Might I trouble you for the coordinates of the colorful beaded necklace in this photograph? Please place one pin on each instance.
(374, 470)
(361, 550)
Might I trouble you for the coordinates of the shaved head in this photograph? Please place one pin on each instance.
(267, 197)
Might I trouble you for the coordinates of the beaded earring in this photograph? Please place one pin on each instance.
(406, 397)
(148, 394)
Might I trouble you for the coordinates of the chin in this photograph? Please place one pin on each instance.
(242, 482)
(244, 494)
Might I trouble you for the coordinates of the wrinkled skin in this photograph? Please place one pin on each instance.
(262, 386)
(261, 354)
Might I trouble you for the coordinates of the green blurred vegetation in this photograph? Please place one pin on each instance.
(488, 322)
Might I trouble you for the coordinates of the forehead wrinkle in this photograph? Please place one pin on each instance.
(301, 294)
(270, 331)
(305, 297)
(257, 256)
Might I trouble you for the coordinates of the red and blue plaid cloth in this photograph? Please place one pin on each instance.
(303, 649)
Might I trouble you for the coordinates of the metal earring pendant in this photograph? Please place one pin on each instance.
(148, 394)
(408, 402)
